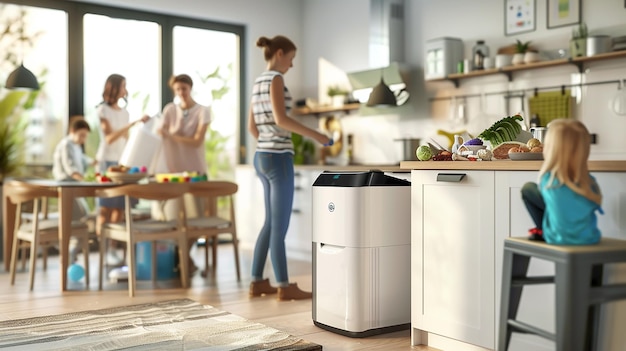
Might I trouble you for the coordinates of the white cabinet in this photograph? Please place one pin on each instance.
(249, 206)
(250, 210)
(457, 234)
(537, 302)
(452, 255)
(299, 235)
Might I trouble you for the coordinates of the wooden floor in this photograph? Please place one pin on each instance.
(222, 291)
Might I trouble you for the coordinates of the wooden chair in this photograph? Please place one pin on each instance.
(39, 231)
(132, 232)
(210, 223)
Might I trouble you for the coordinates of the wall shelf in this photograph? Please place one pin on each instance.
(325, 110)
(509, 70)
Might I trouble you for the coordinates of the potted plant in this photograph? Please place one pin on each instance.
(304, 149)
(578, 43)
(337, 95)
(520, 52)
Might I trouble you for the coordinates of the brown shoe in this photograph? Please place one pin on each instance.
(292, 292)
(262, 287)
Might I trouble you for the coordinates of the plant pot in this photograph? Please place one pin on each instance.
(578, 47)
(518, 58)
(338, 100)
(531, 57)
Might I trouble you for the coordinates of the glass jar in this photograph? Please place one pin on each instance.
(479, 52)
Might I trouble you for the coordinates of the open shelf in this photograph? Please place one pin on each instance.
(324, 110)
(509, 70)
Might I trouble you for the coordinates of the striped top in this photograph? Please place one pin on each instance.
(272, 138)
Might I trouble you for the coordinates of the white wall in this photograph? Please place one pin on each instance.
(470, 21)
(338, 31)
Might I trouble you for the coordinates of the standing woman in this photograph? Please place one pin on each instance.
(269, 122)
(183, 130)
(114, 126)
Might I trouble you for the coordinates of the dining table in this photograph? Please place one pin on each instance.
(67, 191)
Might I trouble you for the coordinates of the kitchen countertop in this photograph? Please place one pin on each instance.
(504, 165)
(351, 168)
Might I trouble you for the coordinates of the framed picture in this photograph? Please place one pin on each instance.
(519, 16)
(563, 12)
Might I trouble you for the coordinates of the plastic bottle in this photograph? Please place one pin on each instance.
(479, 52)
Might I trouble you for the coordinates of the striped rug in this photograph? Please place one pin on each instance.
(170, 325)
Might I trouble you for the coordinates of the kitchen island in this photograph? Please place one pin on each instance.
(461, 211)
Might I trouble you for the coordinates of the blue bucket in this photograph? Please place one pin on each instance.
(166, 262)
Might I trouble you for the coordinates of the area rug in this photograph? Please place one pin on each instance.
(170, 325)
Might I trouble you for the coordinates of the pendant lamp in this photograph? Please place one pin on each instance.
(382, 96)
(22, 78)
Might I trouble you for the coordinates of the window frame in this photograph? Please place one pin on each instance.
(76, 11)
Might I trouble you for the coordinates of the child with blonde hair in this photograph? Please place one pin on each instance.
(564, 203)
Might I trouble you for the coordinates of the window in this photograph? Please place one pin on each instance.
(211, 59)
(95, 41)
(44, 52)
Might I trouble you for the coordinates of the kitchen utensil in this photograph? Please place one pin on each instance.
(539, 133)
(441, 148)
(409, 145)
(599, 44)
(618, 103)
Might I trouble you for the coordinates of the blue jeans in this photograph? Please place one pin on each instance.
(276, 173)
(534, 203)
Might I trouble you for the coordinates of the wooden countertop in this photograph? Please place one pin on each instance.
(351, 168)
(504, 165)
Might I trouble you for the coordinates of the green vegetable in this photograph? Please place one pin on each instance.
(503, 130)
(424, 153)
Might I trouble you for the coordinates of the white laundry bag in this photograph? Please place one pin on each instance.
(143, 147)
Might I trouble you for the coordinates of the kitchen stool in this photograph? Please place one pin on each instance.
(578, 287)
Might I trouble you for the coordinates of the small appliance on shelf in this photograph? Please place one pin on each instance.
(442, 57)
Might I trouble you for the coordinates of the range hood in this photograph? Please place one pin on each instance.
(386, 52)
(363, 82)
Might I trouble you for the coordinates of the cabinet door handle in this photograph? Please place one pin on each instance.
(296, 210)
(450, 177)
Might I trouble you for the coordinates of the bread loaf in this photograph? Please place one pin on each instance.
(501, 152)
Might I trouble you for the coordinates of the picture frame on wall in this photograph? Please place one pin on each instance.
(519, 16)
(562, 13)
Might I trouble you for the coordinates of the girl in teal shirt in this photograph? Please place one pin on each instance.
(564, 204)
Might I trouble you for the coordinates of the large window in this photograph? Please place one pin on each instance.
(36, 37)
(211, 59)
(130, 48)
(81, 44)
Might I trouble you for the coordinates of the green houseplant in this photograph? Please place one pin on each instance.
(337, 95)
(520, 51)
(578, 43)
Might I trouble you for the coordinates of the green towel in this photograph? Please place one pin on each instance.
(551, 105)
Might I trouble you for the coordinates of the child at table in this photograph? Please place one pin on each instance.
(69, 160)
(564, 203)
(71, 163)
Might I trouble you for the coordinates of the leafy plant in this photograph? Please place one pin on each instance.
(335, 90)
(521, 47)
(304, 149)
(13, 39)
(581, 32)
(215, 143)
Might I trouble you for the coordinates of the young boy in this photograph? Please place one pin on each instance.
(69, 161)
